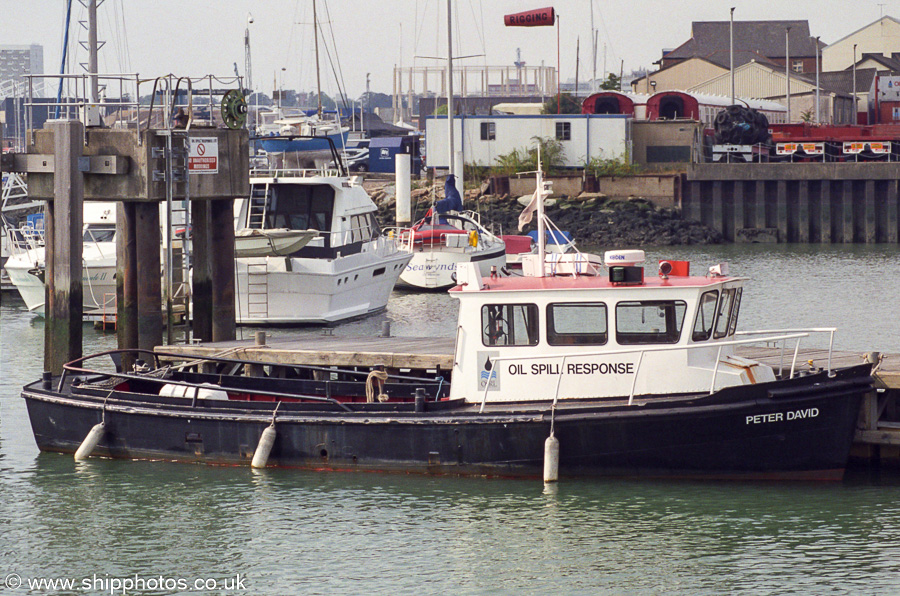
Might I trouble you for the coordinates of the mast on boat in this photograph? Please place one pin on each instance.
(452, 156)
(318, 77)
(450, 87)
(539, 190)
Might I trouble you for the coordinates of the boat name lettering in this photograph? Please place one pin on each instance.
(587, 368)
(443, 267)
(780, 416)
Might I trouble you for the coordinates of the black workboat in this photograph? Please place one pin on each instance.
(800, 428)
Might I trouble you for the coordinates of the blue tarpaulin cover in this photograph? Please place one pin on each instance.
(553, 237)
(452, 202)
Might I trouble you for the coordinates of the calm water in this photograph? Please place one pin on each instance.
(101, 523)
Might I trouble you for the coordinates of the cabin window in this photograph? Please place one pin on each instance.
(732, 325)
(706, 315)
(649, 321)
(100, 233)
(300, 207)
(488, 131)
(563, 131)
(509, 324)
(729, 305)
(360, 228)
(582, 323)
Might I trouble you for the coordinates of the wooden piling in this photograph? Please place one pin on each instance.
(201, 282)
(63, 261)
(221, 245)
(126, 279)
(149, 281)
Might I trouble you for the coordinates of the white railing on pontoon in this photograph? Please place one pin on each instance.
(797, 334)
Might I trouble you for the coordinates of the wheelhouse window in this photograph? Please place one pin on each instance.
(649, 321)
(361, 227)
(509, 324)
(729, 305)
(706, 316)
(563, 131)
(488, 131)
(300, 207)
(582, 323)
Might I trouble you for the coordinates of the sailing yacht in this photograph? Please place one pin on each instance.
(446, 237)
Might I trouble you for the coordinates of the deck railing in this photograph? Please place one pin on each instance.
(780, 336)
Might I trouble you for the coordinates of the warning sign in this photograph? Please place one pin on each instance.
(203, 155)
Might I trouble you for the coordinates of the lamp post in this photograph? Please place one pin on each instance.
(817, 80)
(787, 69)
(248, 67)
(855, 107)
(731, 53)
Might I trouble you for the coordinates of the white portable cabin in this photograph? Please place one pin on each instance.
(484, 138)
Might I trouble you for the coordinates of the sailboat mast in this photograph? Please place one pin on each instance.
(93, 66)
(450, 88)
(318, 79)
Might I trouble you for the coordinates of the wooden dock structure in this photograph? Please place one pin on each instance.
(877, 436)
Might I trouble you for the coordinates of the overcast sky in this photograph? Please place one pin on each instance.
(197, 37)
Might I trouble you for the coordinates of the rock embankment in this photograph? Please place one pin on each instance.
(593, 219)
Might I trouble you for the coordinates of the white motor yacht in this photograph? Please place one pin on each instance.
(348, 270)
(26, 264)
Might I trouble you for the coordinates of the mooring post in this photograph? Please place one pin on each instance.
(149, 281)
(126, 281)
(221, 262)
(201, 282)
(63, 302)
(403, 185)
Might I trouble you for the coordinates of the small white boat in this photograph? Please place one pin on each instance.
(558, 242)
(270, 243)
(26, 263)
(444, 239)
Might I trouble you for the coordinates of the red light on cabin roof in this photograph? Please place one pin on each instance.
(679, 268)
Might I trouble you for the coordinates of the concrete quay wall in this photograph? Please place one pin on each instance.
(796, 202)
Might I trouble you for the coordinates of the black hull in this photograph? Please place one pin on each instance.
(797, 429)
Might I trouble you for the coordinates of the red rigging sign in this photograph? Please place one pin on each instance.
(533, 18)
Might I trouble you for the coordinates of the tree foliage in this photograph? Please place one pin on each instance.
(569, 105)
(612, 83)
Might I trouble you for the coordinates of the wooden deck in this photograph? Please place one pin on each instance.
(331, 350)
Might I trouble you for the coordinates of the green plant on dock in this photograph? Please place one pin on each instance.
(525, 160)
(599, 167)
